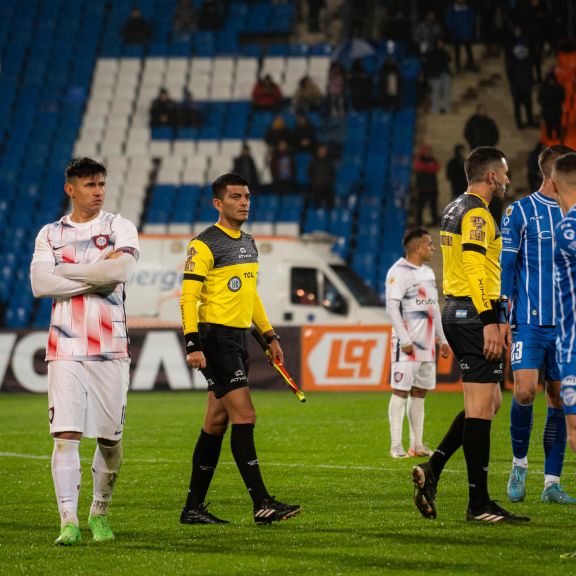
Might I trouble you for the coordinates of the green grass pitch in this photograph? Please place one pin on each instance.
(329, 455)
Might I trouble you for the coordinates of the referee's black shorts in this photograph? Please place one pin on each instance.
(465, 334)
(227, 361)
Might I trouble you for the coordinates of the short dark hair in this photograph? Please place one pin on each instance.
(479, 160)
(222, 182)
(548, 155)
(83, 167)
(413, 234)
(566, 163)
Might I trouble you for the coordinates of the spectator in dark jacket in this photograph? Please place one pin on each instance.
(460, 24)
(136, 29)
(245, 166)
(360, 87)
(283, 168)
(390, 84)
(277, 131)
(210, 16)
(481, 130)
(189, 113)
(426, 32)
(303, 135)
(322, 175)
(336, 90)
(426, 168)
(440, 78)
(163, 111)
(519, 72)
(184, 18)
(551, 98)
(455, 171)
(308, 96)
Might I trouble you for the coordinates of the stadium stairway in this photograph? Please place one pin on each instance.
(443, 131)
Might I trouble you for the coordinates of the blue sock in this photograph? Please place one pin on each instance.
(521, 420)
(554, 442)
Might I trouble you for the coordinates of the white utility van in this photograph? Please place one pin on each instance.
(300, 280)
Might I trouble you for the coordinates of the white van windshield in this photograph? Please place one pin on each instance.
(365, 295)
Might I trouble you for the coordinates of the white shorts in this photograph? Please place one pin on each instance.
(408, 375)
(88, 397)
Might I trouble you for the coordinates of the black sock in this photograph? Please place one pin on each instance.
(204, 461)
(476, 445)
(449, 444)
(244, 452)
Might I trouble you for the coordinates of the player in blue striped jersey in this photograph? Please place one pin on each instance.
(527, 280)
(564, 181)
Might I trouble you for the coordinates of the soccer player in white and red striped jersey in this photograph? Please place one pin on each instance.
(412, 303)
(82, 261)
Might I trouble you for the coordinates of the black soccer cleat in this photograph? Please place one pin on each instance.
(270, 510)
(425, 485)
(493, 513)
(199, 515)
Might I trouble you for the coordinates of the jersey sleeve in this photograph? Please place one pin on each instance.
(126, 237)
(512, 227)
(259, 316)
(395, 285)
(199, 261)
(45, 283)
(475, 240)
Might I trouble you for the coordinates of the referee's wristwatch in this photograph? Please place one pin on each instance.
(271, 337)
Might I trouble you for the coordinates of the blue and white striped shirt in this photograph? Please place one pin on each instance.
(565, 280)
(527, 259)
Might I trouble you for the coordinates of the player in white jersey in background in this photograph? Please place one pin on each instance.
(527, 261)
(412, 303)
(564, 180)
(82, 261)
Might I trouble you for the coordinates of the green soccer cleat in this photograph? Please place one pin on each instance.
(69, 536)
(555, 494)
(101, 531)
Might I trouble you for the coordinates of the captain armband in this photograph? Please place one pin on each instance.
(503, 310)
(192, 341)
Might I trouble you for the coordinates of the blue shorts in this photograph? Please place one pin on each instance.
(534, 347)
(568, 387)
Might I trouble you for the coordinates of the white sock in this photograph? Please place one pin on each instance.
(416, 419)
(522, 462)
(396, 410)
(105, 468)
(66, 474)
(550, 479)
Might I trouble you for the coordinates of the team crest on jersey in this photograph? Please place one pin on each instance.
(101, 241)
(398, 376)
(189, 265)
(509, 210)
(234, 284)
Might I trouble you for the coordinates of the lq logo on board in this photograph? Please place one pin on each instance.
(345, 357)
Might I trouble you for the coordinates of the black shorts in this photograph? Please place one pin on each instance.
(227, 361)
(465, 334)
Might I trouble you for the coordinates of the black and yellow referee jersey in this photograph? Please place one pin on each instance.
(219, 284)
(471, 244)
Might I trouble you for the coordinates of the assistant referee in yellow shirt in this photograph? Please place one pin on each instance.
(219, 303)
(475, 322)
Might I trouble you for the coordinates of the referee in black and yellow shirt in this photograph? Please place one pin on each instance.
(219, 303)
(475, 322)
